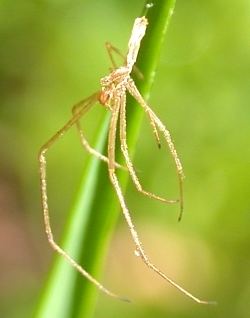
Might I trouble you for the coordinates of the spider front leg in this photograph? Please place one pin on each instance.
(114, 180)
(76, 108)
(166, 134)
(84, 106)
(124, 148)
(112, 49)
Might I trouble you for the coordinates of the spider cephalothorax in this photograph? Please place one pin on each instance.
(113, 86)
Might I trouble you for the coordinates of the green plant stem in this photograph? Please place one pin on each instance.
(93, 217)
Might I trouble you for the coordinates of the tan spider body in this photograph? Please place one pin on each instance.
(113, 96)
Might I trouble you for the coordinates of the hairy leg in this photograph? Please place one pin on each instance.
(76, 108)
(166, 134)
(139, 248)
(85, 106)
(124, 148)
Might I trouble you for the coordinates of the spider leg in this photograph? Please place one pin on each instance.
(85, 106)
(155, 131)
(129, 163)
(76, 108)
(112, 49)
(136, 94)
(114, 180)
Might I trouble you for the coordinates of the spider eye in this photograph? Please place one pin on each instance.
(105, 82)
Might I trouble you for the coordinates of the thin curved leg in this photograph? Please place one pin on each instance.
(85, 106)
(124, 148)
(166, 134)
(112, 49)
(139, 248)
(76, 108)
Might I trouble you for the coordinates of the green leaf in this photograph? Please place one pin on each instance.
(94, 214)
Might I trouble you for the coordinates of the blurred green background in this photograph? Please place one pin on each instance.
(52, 55)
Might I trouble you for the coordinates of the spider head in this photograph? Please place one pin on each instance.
(112, 85)
(116, 77)
(105, 81)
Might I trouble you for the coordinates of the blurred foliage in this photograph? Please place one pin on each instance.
(52, 55)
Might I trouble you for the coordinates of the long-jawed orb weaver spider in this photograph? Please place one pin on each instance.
(113, 97)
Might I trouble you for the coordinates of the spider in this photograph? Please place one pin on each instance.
(112, 96)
